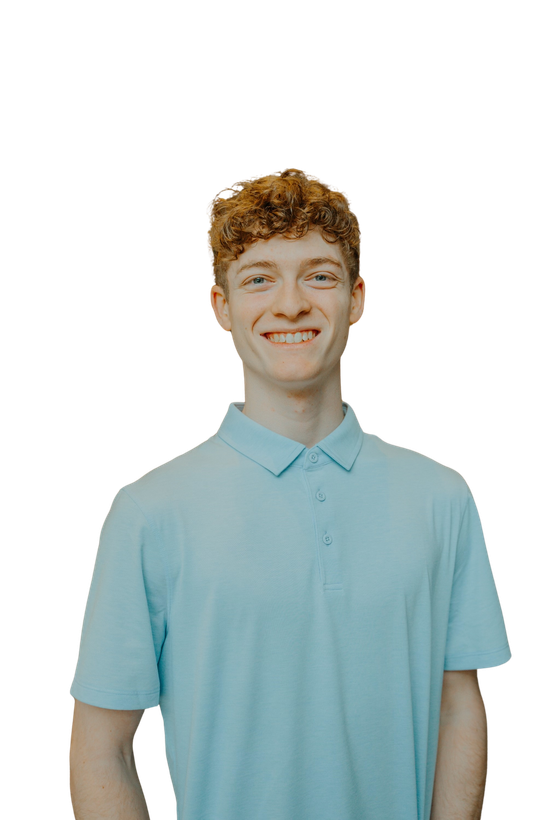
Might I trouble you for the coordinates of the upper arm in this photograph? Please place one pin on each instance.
(97, 731)
(460, 688)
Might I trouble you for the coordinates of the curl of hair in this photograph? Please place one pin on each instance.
(290, 203)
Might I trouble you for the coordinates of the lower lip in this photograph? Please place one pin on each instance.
(286, 345)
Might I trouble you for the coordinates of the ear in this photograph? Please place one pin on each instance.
(220, 308)
(357, 300)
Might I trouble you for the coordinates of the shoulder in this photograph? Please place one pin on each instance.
(414, 466)
(177, 475)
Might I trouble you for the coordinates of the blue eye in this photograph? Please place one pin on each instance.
(261, 279)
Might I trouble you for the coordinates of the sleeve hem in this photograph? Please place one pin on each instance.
(114, 700)
(478, 660)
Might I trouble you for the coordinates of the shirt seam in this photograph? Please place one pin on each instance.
(490, 652)
(118, 691)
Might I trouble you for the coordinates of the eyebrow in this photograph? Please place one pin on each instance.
(304, 265)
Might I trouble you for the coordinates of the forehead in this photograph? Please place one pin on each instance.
(288, 252)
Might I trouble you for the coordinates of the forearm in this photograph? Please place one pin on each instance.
(460, 773)
(106, 788)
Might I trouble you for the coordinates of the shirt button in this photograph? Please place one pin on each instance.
(313, 457)
(327, 539)
(321, 496)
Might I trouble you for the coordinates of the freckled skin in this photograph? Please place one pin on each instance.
(293, 389)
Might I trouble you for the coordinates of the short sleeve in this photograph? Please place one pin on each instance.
(125, 620)
(476, 637)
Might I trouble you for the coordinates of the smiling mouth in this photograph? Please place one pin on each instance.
(292, 344)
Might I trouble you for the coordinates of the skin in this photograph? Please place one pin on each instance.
(294, 390)
(462, 751)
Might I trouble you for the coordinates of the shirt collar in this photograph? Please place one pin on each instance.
(276, 452)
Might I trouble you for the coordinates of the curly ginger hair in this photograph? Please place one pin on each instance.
(290, 203)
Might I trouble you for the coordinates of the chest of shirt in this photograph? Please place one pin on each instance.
(258, 540)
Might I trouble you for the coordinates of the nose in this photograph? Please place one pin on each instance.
(290, 301)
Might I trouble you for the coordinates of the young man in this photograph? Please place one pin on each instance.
(307, 603)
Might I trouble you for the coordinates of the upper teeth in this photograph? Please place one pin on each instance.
(291, 338)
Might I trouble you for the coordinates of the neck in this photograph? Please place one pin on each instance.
(304, 415)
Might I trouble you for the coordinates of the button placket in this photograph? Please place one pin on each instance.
(326, 538)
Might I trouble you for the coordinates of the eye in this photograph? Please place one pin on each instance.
(261, 279)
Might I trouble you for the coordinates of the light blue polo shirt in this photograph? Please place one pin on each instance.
(292, 612)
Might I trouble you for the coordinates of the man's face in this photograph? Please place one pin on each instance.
(287, 285)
